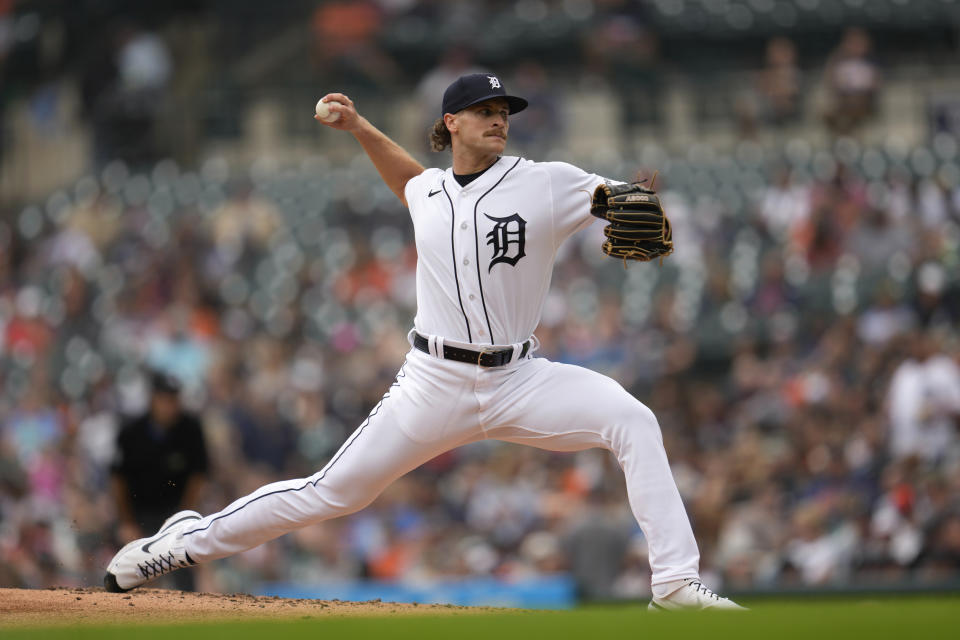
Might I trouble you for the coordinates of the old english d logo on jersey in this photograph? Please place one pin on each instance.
(508, 238)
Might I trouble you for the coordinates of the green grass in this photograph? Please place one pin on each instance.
(911, 618)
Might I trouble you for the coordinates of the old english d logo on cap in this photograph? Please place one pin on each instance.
(477, 87)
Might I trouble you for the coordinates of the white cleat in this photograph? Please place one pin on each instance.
(692, 596)
(149, 558)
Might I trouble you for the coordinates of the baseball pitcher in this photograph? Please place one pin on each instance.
(487, 232)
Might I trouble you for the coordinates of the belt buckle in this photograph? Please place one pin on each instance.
(480, 353)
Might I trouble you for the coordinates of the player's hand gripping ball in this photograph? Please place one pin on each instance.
(638, 229)
(324, 112)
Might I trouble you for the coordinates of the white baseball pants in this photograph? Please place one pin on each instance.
(436, 405)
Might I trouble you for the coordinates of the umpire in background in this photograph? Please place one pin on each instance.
(160, 466)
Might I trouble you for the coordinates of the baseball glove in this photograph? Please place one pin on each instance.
(638, 229)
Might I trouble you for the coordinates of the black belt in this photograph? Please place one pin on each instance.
(496, 358)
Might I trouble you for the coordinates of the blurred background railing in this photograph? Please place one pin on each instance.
(168, 202)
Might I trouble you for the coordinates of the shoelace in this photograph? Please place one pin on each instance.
(699, 586)
(159, 565)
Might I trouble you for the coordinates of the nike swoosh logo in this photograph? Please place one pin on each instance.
(146, 547)
(433, 193)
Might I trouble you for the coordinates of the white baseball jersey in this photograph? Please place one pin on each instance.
(486, 250)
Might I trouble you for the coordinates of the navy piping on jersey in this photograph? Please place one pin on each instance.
(476, 242)
(323, 473)
(453, 256)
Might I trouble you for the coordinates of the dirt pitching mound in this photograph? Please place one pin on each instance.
(69, 606)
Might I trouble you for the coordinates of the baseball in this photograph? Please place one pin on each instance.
(324, 113)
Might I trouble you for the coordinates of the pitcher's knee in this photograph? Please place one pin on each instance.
(334, 501)
(636, 420)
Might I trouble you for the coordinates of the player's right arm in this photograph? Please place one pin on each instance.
(395, 165)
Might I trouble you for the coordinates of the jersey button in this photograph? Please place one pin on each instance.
(472, 297)
(463, 225)
(466, 261)
(481, 332)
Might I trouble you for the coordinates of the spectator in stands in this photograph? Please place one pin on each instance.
(34, 431)
(936, 300)
(876, 239)
(267, 439)
(894, 522)
(784, 204)
(124, 86)
(886, 317)
(820, 554)
(779, 83)
(752, 536)
(853, 82)
(596, 545)
(924, 401)
(820, 238)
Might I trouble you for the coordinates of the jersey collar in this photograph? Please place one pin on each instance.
(484, 182)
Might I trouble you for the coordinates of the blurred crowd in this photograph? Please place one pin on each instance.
(156, 80)
(799, 349)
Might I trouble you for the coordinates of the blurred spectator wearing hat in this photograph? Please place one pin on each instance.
(160, 465)
(853, 80)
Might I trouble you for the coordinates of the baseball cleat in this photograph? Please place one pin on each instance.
(691, 596)
(148, 558)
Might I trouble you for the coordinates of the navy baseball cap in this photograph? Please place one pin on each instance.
(163, 382)
(477, 87)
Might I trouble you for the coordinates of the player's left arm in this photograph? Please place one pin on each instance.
(571, 190)
(395, 165)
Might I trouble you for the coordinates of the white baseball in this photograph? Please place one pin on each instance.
(324, 113)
